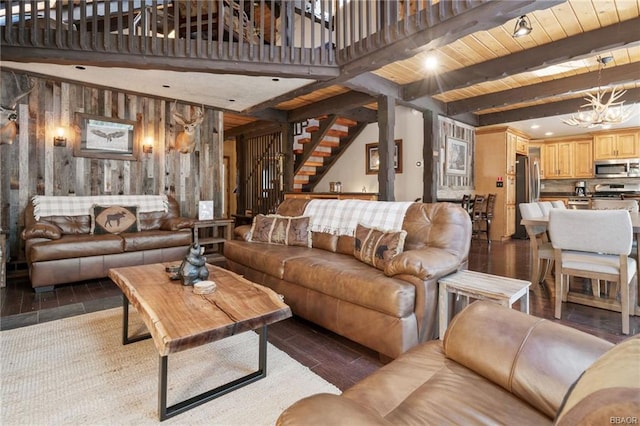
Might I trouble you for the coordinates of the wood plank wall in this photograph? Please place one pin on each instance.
(33, 166)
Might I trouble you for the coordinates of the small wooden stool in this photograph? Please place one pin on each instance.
(481, 286)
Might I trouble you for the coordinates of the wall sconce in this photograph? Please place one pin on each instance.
(147, 146)
(59, 139)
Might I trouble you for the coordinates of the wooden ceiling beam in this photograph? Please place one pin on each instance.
(571, 48)
(615, 75)
(333, 105)
(549, 109)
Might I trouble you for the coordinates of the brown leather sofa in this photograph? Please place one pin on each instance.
(388, 311)
(494, 366)
(61, 249)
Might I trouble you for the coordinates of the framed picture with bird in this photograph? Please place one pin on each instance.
(106, 137)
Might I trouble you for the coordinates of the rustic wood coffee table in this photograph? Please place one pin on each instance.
(178, 319)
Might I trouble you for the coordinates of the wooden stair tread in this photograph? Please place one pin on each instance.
(313, 164)
(337, 133)
(330, 144)
(304, 140)
(342, 121)
(311, 129)
(307, 172)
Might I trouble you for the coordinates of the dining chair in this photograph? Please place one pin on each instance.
(466, 203)
(541, 250)
(545, 207)
(476, 214)
(594, 244)
(605, 204)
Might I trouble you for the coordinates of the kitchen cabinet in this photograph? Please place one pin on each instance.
(557, 158)
(583, 159)
(612, 145)
(495, 158)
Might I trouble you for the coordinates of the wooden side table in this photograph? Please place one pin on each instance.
(481, 286)
(211, 234)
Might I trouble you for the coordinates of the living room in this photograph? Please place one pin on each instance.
(152, 161)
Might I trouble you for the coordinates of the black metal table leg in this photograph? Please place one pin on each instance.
(125, 325)
(180, 407)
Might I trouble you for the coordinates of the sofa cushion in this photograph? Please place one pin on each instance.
(276, 229)
(345, 278)
(324, 241)
(69, 246)
(376, 247)
(423, 387)
(113, 219)
(608, 392)
(265, 257)
(42, 230)
(149, 240)
(70, 225)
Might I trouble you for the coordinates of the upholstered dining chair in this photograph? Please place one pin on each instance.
(545, 207)
(601, 253)
(541, 250)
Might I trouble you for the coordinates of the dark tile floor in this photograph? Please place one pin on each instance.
(338, 360)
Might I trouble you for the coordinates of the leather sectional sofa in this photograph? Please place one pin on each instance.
(494, 366)
(388, 310)
(62, 249)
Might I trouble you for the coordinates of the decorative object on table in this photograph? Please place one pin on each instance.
(204, 287)
(193, 268)
(173, 271)
(335, 186)
(205, 210)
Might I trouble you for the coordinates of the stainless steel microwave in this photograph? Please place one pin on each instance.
(629, 167)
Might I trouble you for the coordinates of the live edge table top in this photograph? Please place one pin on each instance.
(178, 319)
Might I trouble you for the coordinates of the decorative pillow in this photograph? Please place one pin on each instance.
(42, 230)
(276, 229)
(608, 392)
(376, 247)
(114, 219)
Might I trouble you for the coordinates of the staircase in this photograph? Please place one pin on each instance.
(320, 144)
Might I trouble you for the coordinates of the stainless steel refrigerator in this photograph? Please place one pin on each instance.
(527, 187)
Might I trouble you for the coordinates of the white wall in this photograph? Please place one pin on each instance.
(350, 167)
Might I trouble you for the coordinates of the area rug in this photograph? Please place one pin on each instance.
(76, 371)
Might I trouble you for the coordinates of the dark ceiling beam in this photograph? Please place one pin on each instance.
(270, 114)
(256, 127)
(571, 48)
(545, 110)
(478, 17)
(361, 114)
(374, 85)
(616, 75)
(333, 105)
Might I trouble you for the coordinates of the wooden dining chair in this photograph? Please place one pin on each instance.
(542, 255)
(476, 213)
(594, 244)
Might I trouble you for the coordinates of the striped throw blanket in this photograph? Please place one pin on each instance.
(78, 206)
(340, 217)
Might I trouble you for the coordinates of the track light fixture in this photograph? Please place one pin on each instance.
(523, 27)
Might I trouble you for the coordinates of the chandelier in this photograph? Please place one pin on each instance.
(600, 110)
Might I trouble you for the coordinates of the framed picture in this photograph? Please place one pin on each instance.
(456, 156)
(373, 157)
(205, 210)
(106, 137)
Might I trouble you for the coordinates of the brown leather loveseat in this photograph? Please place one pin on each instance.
(388, 310)
(61, 248)
(495, 366)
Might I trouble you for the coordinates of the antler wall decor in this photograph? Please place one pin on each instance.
(8, 112)
(186, 139)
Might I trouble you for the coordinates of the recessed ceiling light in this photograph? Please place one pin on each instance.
(232, 100)
(166, 86)
(535, 126)
(431, 62)
(80, 67)
(548, 133)
(275, 79)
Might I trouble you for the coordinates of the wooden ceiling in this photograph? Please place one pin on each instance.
(489, 72)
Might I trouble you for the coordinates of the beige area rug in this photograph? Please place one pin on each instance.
(75, 371)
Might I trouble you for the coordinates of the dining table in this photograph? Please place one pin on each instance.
(635, 223)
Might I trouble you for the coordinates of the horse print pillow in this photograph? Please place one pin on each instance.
(114, 219)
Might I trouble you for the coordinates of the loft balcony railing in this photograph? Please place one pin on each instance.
(318, 35)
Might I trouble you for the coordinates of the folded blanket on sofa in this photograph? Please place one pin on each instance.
(78, 206)
(340, 217)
